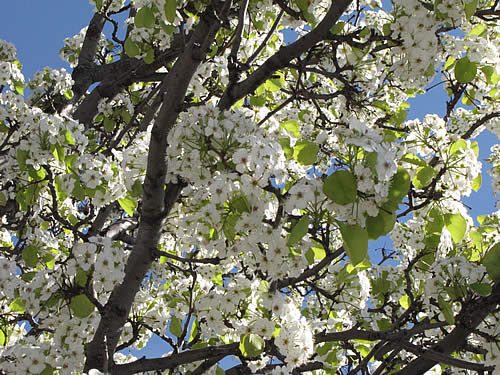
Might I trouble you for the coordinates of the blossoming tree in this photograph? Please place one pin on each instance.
(198, 178)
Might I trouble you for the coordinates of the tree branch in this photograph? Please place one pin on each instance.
(83, 71)
(157, 201)
(286, 53)
(178, 359)
(469, 318)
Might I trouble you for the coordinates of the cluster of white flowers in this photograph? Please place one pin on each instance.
(295, 339)
(494, 172)
(51, 81)
(108, 5)
(73, 46)
(453, 277)
(10, 72)
(206, 141)
(415, 26)
(408, 238)
(108, 106)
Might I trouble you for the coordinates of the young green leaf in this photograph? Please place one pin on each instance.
(145, 17)
(423, 177)
(456, 225)
(355, 242)
(176, 326)
(81, 306)
(251, 345)
(306, 152)
(492, 262)
(379, 225)
(446, 309)
(341, 187)
(398, 189)
(292, 127)
(465, 70)
(298, 231)
(128, 204)
(131, 48)
(170, 10)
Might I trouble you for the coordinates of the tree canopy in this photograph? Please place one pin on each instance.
(213, 173)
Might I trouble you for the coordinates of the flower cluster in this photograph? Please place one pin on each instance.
(10, 69)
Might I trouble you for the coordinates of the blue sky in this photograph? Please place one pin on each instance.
(38, 28)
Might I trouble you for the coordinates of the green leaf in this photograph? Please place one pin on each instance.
(465, 70)
(302, 4)
(456, 225)
(69, 138)
(400, 184)
(17, 305)
(131, 48)
(59, 152)
(194, 330)
(30, 256)
(414, 159)
(476, 183)
(3, 338)
(341, 187)
(170, 10)
(3, 199)
(240, 204)
(305, 152)
(292, 127)
(478, 30)
(251, 345)
(337, 28)
(449, 62)
(404, 301)
(315, 253)
(150, 56)
(355, 242)
(128, 204)
(36, 174)
(470, 8)
(285, 145)
(176, 326)
(275, 83)
(492, 262)
(19, 88)
(492, 77)
(423, 177)
(228, 227)
(218, 279)
(380, 225)
(298, 231)
(258, 100)
(458, 146)
(81, 306)
(483, 289)
(22, 156)
(68, 94)
(81, 278)
(109, 124)
(145, 17)
(445, 307)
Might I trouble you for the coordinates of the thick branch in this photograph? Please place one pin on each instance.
(82, 72)
(178, 359)
(155, 207)
(468, 319)
(286, 54)
(279, 284)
